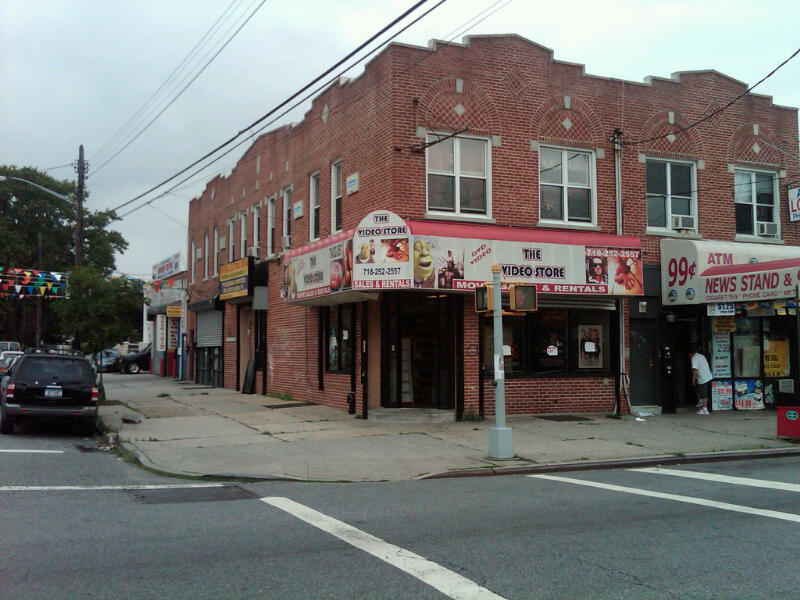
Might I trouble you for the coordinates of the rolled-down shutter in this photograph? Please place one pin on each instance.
(576, 302)
(209, 329)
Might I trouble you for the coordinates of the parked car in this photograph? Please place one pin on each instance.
(10, 346)
(42, 385)
(135, 362)
(6, 358)
(107, 361)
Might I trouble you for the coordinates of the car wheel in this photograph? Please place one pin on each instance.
(133, 368)
(6, 423)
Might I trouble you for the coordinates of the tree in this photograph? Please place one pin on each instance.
(25, 214)
(100, 310)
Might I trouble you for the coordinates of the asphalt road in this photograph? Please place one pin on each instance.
(595, 534)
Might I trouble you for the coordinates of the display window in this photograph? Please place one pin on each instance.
(551, 342)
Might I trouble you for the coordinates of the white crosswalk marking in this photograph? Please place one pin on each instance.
(760, 483)
(91, 488)
(773, 514)
(446, 581)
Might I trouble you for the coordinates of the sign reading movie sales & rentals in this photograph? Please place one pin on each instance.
(711, 271)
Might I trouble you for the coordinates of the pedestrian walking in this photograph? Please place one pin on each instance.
(701, 376)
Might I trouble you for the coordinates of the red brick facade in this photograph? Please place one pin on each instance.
(511, 91)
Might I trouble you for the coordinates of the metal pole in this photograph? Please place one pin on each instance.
(37, 336)
(79, 209)
(501, 444)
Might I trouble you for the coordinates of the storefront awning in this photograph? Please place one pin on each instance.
(386, 252)
(712, 271)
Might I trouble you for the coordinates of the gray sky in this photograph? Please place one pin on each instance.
(74, 72)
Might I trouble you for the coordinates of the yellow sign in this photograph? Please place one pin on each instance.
(776, 358)
(233, 279)
(723, 323)
(174, 310)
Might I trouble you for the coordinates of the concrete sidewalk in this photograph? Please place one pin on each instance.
(186, 428)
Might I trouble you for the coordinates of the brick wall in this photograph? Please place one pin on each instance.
(512, 89)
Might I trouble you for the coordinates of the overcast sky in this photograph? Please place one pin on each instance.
(75, 71)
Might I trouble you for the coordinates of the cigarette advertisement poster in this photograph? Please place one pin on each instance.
(748, 394)
(721, 395)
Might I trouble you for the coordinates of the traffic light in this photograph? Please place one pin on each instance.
(522, 297)
(483, 298)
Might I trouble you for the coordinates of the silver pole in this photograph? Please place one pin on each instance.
(501, 444)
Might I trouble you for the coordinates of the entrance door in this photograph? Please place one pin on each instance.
(244, 343)
(644, 389)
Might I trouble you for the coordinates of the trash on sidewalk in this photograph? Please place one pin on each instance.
(640, 419)
(134, 419)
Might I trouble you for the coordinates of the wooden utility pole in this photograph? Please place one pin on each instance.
(79, 209)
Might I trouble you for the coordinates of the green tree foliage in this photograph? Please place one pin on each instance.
(100, 310)
(25, 213)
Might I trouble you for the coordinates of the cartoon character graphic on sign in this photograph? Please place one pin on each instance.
(289, 282)
(423, 264)
(366, 253)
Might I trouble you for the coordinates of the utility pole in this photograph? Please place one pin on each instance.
(79, 209)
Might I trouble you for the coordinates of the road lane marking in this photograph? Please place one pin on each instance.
(760, 483)
(446, 581)
(82, 488)
(773, 514)
(32, 451)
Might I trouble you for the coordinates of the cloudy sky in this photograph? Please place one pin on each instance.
(82, 71)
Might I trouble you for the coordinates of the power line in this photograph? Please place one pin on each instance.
(719, 110)
(278, 107)
(166, 82)
(180, 93)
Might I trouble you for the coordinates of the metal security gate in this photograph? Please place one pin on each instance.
(208, 348)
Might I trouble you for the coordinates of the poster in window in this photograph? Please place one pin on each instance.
(721, 394)
(776, 358)
(590, 351)
(748, 394)
(721, 355)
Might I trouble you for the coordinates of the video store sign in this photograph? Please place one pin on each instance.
(381, 245)
(700, 272)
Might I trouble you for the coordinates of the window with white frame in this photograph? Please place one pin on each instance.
(205, 256)
(230, 240)
(271, 226)
(566, 185)
(336, 196)
(313, 207)
(243, 234)
(458, 175)
(287, 212)
(256, 210)
(755, 193)
(671, 199)
(216, 252)
(192, 261)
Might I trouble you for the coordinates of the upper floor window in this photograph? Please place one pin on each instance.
(256, 219)
(336, 197)
(271, 226)
(566, 185)
(243, 234)
(216, 251)
(192, 261)
(230, 239)
(458, 175)
(755, 193)
(287, 216)
(313, 207)
(205, 256)
(671, 203)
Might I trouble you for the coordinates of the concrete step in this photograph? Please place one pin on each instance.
(411, 415)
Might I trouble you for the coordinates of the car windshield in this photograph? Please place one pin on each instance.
(9, 346)
(67, 369)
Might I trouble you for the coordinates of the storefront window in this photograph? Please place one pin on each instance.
(339, 337)
(747, 347)
(552, 342)
(776, 349)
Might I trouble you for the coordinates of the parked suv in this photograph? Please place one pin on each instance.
(40, 385)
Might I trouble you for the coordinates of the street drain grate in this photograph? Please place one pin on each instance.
(192, 494)
(563, 418)
(87, 448)
(287, 405)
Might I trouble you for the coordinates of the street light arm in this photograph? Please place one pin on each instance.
(36, 185)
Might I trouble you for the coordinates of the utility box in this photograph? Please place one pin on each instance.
(788, 421)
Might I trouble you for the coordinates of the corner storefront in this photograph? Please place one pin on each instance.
(739, 302)
(407, 287)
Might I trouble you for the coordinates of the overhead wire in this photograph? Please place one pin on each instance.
(278, 107)
(180, 93)
(99, 155)
(481, 16)
(717, 111)
(289, 109)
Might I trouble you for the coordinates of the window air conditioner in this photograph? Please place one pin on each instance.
(768, 229)
(682, 222)
(285, 242)
(252, 251)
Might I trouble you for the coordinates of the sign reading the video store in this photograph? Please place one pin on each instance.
(381, 252)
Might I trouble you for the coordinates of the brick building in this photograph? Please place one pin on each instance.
(340, 254)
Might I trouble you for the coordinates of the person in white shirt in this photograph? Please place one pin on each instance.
(701, 375)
